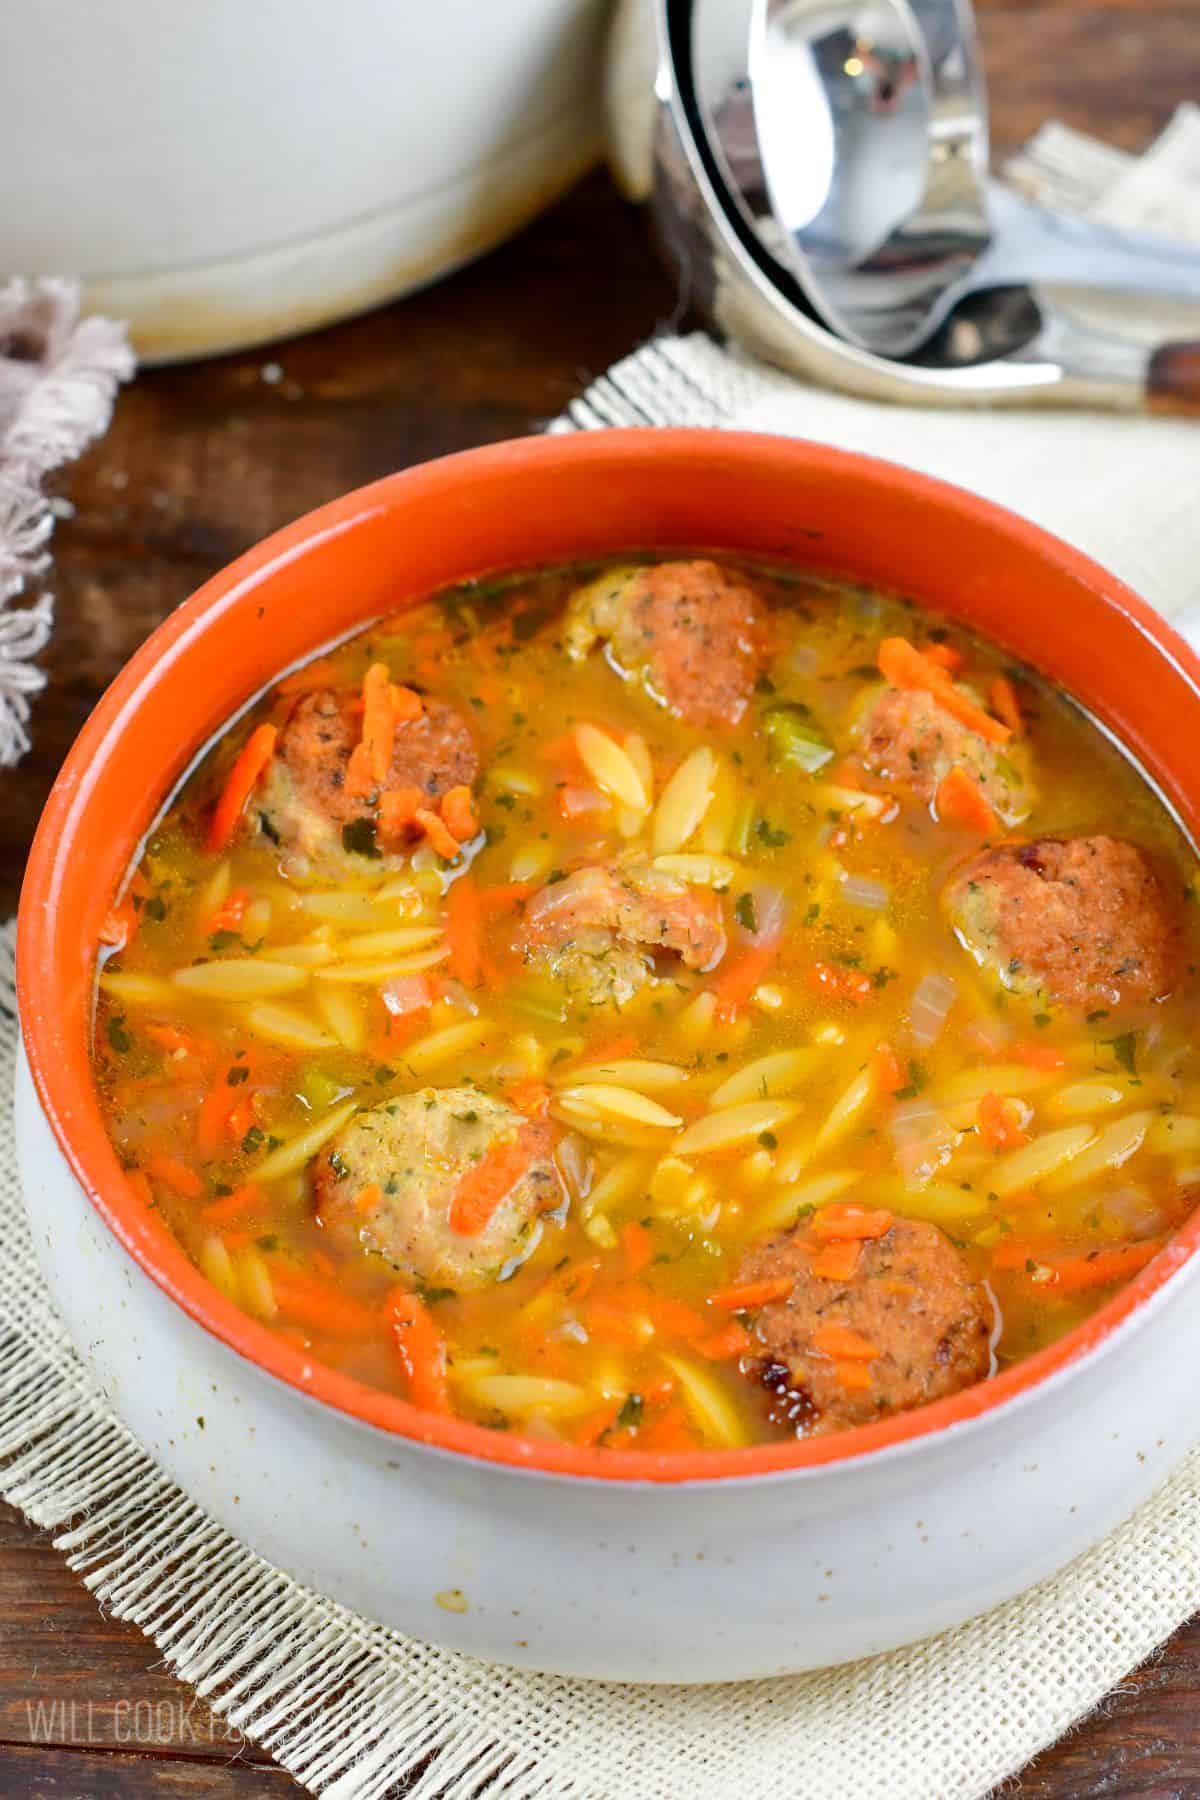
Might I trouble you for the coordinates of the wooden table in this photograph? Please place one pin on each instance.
(202, 461)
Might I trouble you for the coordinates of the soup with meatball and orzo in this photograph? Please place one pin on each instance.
(668, 1005)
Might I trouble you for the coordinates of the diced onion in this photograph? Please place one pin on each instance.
(930, 1006)
(860, 890)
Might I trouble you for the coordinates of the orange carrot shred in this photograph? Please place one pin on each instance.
(887, 1070)
(659, 1392)
(752, 1293)
(855, 1377)
(240, 783)
(120, 923)
(837, 1261)
(379, 719)
(231, 1207)
(944, 656)
(637, 1244)
(398, 808)
(484, 1185)
(212, 1120)
(596, 1424)
(443, 841)
(1076, 1273)
(530, 1096)
(174, 1174)
(318, 1307)
(998, 1126)
(723, 1346)
(844, 1344)
(832, 983)
(1037, 1056)
(736, 982)
(463, 935)
(903, 665)
(1002, 698)
(407, 704)
(422, 1351)
(845, 1220)
(458, 813)
(959, 802)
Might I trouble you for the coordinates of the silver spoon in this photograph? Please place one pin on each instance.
(852, 136)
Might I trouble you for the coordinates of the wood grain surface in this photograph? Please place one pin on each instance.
(203, 460)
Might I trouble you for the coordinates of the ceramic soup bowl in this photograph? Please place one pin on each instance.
(683, 1567)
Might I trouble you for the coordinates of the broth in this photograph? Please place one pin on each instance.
(750, 1021)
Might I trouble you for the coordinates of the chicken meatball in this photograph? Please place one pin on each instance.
(304, 804)
(448, 1185)
(911, 1300)
(691, 633)
(908, 739)
(596, 930)
(1086, 922)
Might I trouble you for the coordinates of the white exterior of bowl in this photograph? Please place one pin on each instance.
(224, 173)
(629, 1581)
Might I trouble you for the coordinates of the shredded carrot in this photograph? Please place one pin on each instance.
(637, 1244)
(398, 808)
(833, 983)
(659, 1392)
(844, 1344)
(855, 1377)
(944, 656)
(609, 1324)
(379, 720)
(1076, 1274)
(407, 704)
(320, 1308)
(120, 923)
(505, 896)
(752, 1293)
(738, 980)
(231, 1207)
(676, 1319)
(174, 1174)
(845, 1220)
(596, 1424)
(1002, 698)
(1035, 1055)
(141, 1186)
(229, 915)
(903, 665)
(463, 935)
(837, 1261)
(530, 1096)
(484, 1185)
(887, 1070)
(212, 1120)
(611, 1050)
(998, 1125)
(458, 813)
(959, 802)
(731, 1341)
(672, 1430)
(422, 1351)
(443, 841)
(240, 783)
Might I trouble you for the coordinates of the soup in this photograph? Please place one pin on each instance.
(671, 1004)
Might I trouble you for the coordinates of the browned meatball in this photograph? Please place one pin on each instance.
(389, 1180)
(304, 803)
(692, 633)
(594, 929)
(909, 740)
(911, 1297)
(1084, 921)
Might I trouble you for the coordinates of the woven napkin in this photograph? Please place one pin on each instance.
(57, 381)
(356, 1711)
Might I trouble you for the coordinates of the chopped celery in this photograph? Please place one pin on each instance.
(796, 742)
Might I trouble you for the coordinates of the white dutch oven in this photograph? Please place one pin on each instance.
(627, 1565)
(226, 172)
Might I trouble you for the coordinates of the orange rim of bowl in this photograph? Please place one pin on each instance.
(562, 498)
